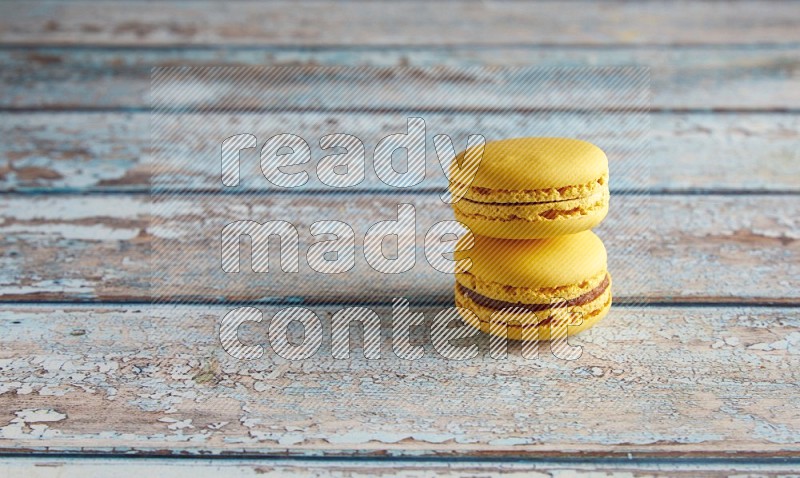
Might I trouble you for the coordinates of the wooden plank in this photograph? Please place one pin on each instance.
(74, 151)
(392, 23)
(651, 382)
(687, 152)
(477, 89)
(79, 467)
(667, 248)
(686, 78)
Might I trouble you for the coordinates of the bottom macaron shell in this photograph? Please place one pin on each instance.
(533, 326)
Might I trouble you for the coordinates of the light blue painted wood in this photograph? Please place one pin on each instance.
(686, 78)
(77, 152)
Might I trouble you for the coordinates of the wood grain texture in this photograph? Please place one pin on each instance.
(390, 23)
(80, 467)
(668, 248)
(80, 152)
(721, 78)
(652, 382)
(679, 390)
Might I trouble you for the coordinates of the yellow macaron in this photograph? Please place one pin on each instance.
(534, 286)
(528, 188)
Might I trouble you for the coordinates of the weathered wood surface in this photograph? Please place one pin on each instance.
(476, 89)
(313, 23)
(81, 467)
(666, 248)
(652, 382)
(666, 382)
(720, 78)
(687, 152)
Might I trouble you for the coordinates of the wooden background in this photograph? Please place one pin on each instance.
(703, 379)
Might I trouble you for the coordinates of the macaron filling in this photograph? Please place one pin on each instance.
(479, 194)
(582, 299)
(533, 211)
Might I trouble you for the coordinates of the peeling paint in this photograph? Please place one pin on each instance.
(145, 369)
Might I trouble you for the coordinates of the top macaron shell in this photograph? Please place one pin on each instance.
(528, 188)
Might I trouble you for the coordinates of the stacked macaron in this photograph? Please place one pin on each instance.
(534, 267)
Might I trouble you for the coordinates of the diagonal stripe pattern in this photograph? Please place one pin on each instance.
(334, 110)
